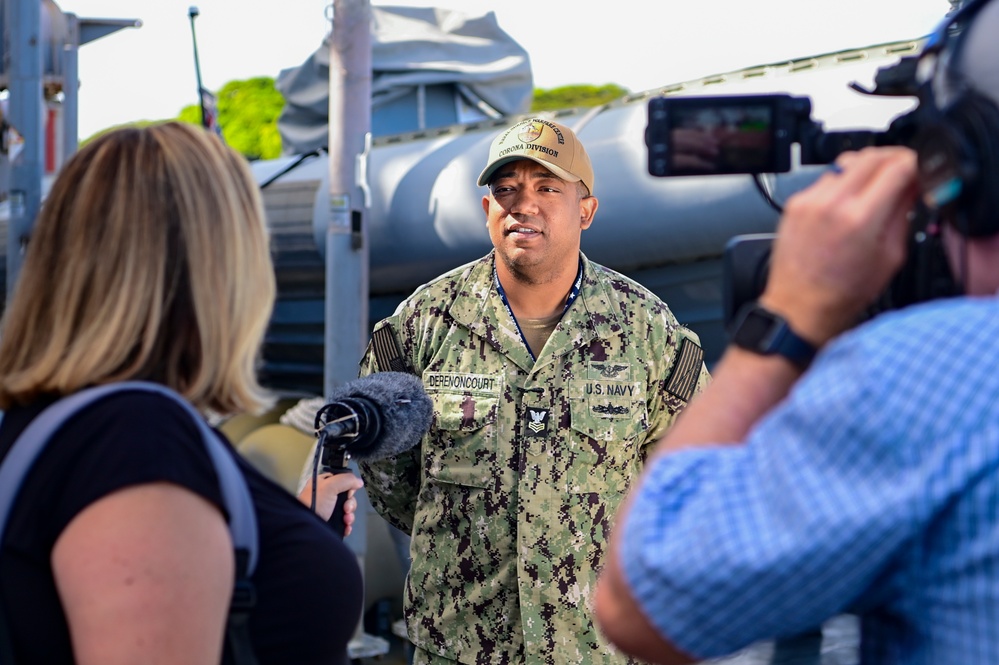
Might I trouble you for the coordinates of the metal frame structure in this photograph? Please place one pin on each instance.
(40, 52)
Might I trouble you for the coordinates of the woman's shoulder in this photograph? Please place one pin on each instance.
(119, 441)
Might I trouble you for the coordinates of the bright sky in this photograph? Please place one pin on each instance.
(149, 73)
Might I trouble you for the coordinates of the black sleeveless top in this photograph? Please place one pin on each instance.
(308, 583)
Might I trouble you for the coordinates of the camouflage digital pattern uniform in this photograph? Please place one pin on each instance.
(511, 494)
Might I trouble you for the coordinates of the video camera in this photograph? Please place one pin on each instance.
(754, 135)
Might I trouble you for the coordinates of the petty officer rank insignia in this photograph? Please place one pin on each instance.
(686, 369)
(536, 422)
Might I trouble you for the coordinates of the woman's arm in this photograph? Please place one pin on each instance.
(145, 575)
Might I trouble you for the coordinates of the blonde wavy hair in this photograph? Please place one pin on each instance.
(149, 260)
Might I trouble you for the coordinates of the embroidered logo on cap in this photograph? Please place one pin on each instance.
(530, 132)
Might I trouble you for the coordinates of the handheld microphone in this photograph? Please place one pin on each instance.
(374, 417)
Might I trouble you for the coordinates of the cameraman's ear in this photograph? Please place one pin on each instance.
(587, 210)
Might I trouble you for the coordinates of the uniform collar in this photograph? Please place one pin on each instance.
(480, 308)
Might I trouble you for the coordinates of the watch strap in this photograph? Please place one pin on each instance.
(790, 345)
(764, 332)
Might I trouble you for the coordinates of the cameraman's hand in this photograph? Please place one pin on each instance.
(328, 488)
(841, 240)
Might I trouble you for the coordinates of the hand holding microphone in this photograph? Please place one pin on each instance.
(373, 418)
(332, 489)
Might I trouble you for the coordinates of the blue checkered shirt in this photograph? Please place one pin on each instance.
(873, 489)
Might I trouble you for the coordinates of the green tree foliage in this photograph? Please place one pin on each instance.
(248, 111)
(247, 114)
(572, 96)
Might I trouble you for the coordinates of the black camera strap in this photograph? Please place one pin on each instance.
(235, 493)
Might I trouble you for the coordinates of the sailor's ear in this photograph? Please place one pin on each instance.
(587, 210)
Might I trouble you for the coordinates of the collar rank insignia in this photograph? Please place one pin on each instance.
(537, 422)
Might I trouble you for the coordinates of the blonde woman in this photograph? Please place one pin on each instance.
(150, 261)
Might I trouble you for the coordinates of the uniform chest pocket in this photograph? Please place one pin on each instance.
(463, 439)
(608, 423)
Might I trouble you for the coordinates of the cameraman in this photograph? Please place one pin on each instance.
(865, 481)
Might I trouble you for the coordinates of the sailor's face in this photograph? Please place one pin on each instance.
(535, 220)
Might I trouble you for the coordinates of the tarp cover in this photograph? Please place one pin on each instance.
(413, 46)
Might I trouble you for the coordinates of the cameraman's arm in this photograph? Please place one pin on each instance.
(838, 245)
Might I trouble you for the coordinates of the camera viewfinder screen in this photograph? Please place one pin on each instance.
(720, 139)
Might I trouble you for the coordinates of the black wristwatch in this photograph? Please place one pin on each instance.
(759, 330)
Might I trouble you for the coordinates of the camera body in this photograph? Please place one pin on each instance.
(750, 134)
(722, 135)
(756, 134)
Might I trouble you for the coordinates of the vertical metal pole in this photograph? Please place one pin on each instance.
(23, 37)
(192, 13)
(346, 319)
(346, 234)
(71, 87)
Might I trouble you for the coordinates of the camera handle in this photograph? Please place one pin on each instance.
(331, 458)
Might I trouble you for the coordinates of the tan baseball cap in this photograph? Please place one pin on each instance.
(548, 143)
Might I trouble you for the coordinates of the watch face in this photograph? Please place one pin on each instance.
(755, 331)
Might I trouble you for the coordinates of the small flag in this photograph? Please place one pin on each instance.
(210, 112)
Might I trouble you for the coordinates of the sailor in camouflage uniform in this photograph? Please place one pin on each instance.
(551, 378)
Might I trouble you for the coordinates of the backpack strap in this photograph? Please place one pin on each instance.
(235, 495)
